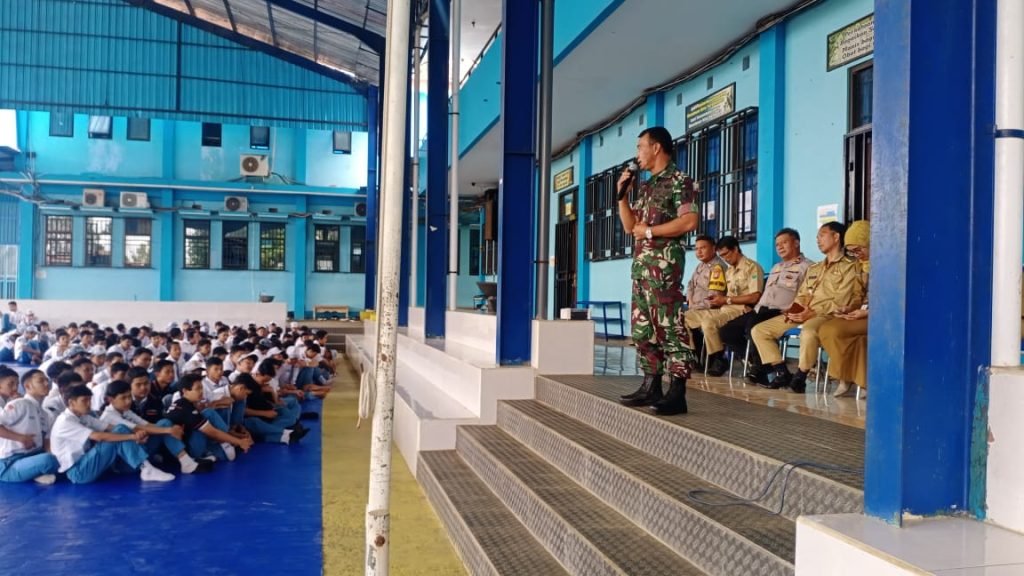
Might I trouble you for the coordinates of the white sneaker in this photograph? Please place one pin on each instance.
(45, 479)
(229, 450)
(286, 437)
(150, 473)
(188, 465)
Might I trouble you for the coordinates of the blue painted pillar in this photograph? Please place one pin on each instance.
(405, 264)
(655, 110)
(771, 141)
(585, 170)
(27, 223)
(301, 252)
(372, 183)
(437, 170)
(166, 262)
(517, 180)
(930, 316)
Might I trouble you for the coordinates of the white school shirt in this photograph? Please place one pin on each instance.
(19, 345)
(129, 419)
(229, 364)
(53, 353)
(157, 350)
(24, 416)
(99, 395)
(69, 438)
(187, 349)
(53, 404)
(196, 361)
(213, 391)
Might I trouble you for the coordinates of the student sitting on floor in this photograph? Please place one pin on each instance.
(263, 418)
(216, 393)
(60, 350)
(157, 344)
(142, 358)
(26, 347)
(163, 385)
(161, 434)
(118, 371)
(286, 406)
(312, 376)
(124, 346)
(56, 401)
(86, 447)
(103, 375)
(25, 435)
(198, 360)
(7, 346)
(149, 407)
(205, 431)
(8, 385)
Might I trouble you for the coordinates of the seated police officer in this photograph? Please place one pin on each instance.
(744, 281)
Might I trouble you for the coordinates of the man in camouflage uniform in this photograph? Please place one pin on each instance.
(665, 210)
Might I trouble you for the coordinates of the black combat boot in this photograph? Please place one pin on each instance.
(675, 401)
(782, 377)
(649, 392)
(799, 382)
(717, 365)
(642, 390)
(757, 374)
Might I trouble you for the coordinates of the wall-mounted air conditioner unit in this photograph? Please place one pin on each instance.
(257, 165)
(134, 200)
(236, 204)
(93, 198)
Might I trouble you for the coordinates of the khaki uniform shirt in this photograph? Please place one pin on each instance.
(833, 285)
(709, 278)
(783, 283)
(746, 277)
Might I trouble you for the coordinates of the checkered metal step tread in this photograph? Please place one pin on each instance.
(652, 493)
(583, 533)
(726, 442)
(488, 537)
(781, 435)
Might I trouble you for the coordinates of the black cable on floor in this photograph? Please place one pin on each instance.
(732, 500)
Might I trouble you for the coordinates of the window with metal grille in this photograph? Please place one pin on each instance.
(722, 160)
(138, 129)
(98, 240)
(62, 124)
(272, 245)
(326, 248)
(605, 238)
(58, 242)
(357, 263)
(138, 242)
(197, 243)
(857, 143)
(235, 246)
(474, 252)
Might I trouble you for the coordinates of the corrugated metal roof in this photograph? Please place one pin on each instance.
(301, 27)
(107, 57)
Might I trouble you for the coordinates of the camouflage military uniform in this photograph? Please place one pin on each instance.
(659, 329)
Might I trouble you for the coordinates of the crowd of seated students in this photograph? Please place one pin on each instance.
(733, 306)
(92, 400)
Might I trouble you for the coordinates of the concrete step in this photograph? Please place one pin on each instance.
(486, 535)
(727, 442)
(583, 533)
(721, 540)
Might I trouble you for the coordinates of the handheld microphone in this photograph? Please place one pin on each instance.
(632, 169)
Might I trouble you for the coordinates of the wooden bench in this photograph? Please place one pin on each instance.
(330, 312)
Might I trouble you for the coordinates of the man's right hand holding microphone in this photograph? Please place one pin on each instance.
(625, 179)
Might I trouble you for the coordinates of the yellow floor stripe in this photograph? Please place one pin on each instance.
(420, 545)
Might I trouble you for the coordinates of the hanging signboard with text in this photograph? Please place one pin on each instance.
(716, 106)
(563, 179)
(851, 42)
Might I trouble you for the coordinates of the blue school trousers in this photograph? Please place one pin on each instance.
(25, 467)
(104, 455)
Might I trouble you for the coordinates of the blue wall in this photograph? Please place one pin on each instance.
(816, 116)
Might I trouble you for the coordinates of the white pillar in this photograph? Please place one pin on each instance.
(415, 217)
(1009, 184)
(378, 513)
(453, 187)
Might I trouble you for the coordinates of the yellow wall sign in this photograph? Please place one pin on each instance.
(563, 179)
(718, 105)
(851, 42)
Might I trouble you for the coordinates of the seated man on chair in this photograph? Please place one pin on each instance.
(831, 285)
(707, 281)
(744, 282)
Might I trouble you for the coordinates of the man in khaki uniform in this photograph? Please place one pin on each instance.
(834, 284)
(744, 281)
(708, 281)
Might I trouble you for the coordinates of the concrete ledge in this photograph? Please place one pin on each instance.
(563, 346)
(854, 545)
(159, 314)
(417, 323)
(471, 329)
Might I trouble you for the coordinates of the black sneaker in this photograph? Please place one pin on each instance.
(798, 383)
(297, 435)
(756, 375)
